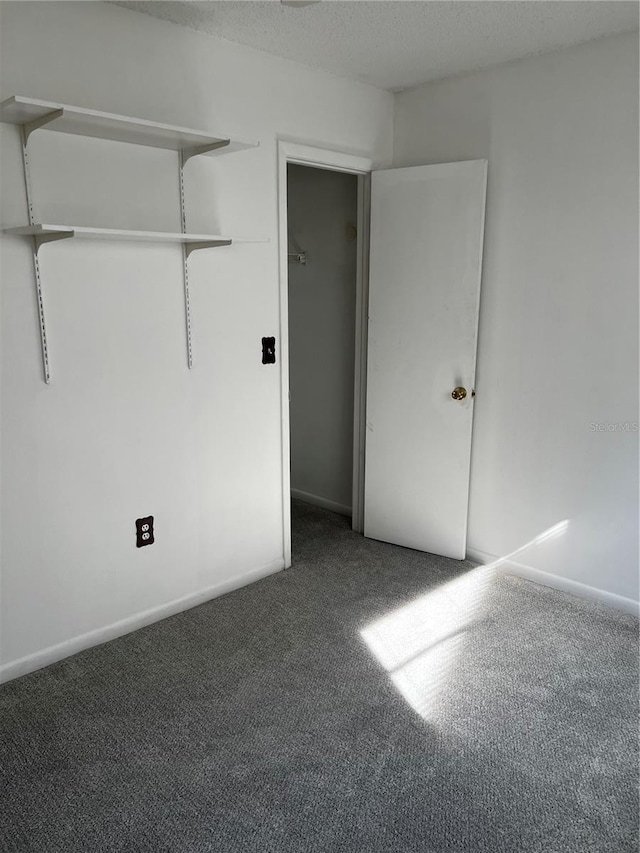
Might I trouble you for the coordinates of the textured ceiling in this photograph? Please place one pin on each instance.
(395, 45)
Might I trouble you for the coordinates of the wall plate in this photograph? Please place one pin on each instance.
(144, 531)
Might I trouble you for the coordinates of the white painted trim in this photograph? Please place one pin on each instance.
(480, 557)
(324, 158)
(361, 344)
(290, 151)
(582, 590)
(474, 367)
(283, 277)
(45, 657)
(324, 503)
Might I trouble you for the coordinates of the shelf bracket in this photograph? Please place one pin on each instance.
(30, 126)
(40, 239)
(187, 153)
(204, 244)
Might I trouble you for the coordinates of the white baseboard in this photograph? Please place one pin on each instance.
(324, 503)
(52, 654)
(582, 590)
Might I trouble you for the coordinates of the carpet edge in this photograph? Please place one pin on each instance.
(59, 651)
(582, 590)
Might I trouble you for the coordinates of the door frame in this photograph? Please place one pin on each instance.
(290, 151)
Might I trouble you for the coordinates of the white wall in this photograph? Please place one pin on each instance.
(124, 429)
(322, 302)
(558, 347)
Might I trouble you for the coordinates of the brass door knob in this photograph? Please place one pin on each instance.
(459, 393)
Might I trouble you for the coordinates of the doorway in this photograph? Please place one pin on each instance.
(322, 166)
(416, 325)
(322, 213)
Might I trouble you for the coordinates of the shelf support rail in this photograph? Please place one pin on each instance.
(37, 242)
(183, 156)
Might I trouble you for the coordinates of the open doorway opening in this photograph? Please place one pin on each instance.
(325, 160)
(322, 231)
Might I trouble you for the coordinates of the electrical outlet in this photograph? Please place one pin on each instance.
(268, 350)
(144, 531)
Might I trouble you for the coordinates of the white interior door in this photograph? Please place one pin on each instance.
(427, 227)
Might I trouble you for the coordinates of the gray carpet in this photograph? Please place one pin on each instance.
(472, 714)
